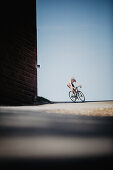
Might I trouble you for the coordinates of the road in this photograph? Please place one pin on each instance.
(57, 136)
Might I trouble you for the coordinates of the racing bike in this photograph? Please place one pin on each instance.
(76, 94)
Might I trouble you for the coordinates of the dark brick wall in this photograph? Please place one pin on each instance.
(18, 60)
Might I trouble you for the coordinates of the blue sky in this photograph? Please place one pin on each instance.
(75, 38)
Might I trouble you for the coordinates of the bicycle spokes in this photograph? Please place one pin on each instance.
(76, 96)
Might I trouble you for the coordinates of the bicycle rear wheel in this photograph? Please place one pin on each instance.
(72, 96)
(81, 96)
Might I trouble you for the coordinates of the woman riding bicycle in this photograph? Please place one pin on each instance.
(75, 94)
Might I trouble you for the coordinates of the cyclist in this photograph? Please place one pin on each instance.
(71, 85)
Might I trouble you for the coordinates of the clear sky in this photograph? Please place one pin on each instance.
(75, 38)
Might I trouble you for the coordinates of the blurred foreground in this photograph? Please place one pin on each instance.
(57, 136)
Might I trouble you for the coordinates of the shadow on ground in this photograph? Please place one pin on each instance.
(39, 140)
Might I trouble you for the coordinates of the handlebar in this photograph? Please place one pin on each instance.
(79, 86)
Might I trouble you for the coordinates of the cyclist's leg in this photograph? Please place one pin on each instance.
(71, 89)
(75, 91)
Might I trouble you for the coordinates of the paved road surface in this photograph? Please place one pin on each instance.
(58, 136)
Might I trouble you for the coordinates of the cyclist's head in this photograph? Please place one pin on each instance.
(73, 79)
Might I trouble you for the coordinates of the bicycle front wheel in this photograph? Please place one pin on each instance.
(81, 96)
(72, 96)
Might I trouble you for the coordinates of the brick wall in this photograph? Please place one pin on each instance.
(18, 60)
